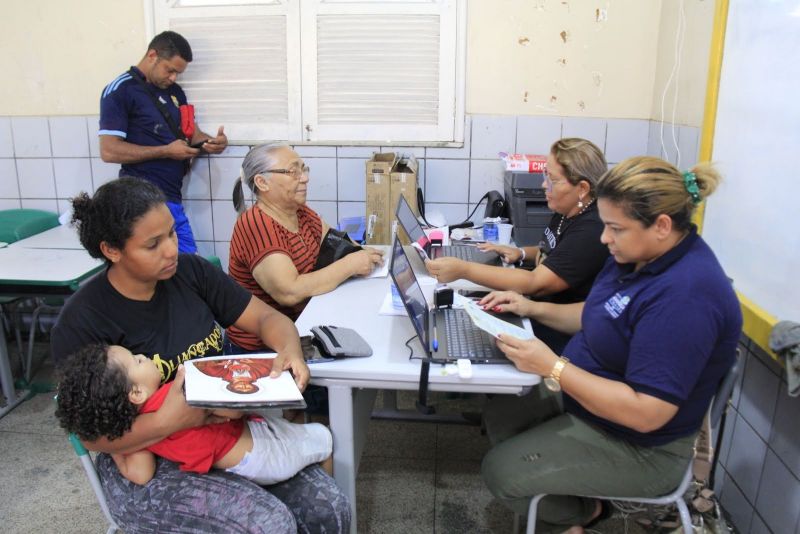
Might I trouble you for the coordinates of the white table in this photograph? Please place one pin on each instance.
(61, 237)
(353, 382)
(35, 272)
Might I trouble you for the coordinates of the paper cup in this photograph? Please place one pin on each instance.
(504, 233)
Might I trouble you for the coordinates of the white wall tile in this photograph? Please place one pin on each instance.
(746, 458)
(535, 135)
(453, 213)
(654, 140)
(36, 178)
(405, 151)
(351, 209)
(365, 152)
(735, 503)
(352, 179)
(199, 213)
(626, 138)
(69, 137)
(587, 128)
(222, 249)
(9, 188)
(223, 175)
(224, 217)
(197, 185)
(103, 172)
(446, 180)
(233, 151)
(485, 176)
(778, 488)
(6, 139)
(785, 438)
(672, 136)
(31, 137)
(326, 210)
(462, 152)
(315, 151)
(205, 248)
(47, 204)
(322, 181)
(64, 205)
(689, 146)
(10, 203)
(73, 175)
(492, 134)
(92, 127)
(759, 393)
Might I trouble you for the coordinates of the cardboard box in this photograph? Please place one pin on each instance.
(524, 162)
(379, 212)
(404, 182)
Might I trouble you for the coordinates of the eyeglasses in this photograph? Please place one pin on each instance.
(294, 172)
(549, 183)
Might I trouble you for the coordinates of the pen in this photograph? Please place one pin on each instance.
(435, 342)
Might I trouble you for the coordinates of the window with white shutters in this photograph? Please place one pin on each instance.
(380, 71)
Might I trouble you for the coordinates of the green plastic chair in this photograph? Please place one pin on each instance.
(214, 260)
(16, 224)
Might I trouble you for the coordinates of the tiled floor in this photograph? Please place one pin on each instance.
(415, 477)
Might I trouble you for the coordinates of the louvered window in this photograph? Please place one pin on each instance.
(323, 70)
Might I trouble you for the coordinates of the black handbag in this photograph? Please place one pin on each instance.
(335, 246)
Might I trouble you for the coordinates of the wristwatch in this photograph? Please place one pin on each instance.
(553, 382)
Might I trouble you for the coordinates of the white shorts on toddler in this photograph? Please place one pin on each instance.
(281, 449)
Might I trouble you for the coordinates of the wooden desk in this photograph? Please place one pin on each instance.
(353, 382)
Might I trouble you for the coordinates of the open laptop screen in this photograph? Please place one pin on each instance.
(410, 292)
(409, 222)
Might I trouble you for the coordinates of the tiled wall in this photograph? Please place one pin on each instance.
(758, 478)
(46, 160)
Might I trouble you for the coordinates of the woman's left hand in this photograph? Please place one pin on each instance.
(528, 355)
(295, 363)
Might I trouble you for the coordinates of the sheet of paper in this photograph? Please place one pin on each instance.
(382, 271)
(488, 322)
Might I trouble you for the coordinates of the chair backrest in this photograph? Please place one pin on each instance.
(725, 388)
(16, 224)
(214, 260)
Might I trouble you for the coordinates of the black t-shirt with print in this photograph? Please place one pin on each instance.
(180, 322)
(577, 255)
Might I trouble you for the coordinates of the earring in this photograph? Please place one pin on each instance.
(580, 203)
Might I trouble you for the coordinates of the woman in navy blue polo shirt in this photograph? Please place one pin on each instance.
(654, 338)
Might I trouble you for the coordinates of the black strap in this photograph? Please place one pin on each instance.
(159, 104)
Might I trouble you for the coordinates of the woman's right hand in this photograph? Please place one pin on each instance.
(363, 262)
(509, 254)
(506, 301)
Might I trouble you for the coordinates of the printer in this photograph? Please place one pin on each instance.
(527, 206)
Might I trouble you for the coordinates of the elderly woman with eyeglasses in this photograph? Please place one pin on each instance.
(569, 255)
(276, 242)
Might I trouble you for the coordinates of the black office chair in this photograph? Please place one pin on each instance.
(719, 405)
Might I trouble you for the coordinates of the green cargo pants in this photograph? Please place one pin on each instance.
(537, 448)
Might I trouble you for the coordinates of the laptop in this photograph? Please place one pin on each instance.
(409, 222)
(456, 336)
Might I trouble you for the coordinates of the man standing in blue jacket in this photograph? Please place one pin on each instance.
(147, 125)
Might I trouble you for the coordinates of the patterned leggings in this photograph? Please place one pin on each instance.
(177, 501)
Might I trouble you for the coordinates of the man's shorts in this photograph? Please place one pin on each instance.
(186, 244)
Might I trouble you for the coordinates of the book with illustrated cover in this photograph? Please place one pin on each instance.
(240, 381)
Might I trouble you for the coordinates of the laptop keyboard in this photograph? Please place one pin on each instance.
(464, 339)
(462, 253)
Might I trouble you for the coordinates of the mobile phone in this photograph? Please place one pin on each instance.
(199, 144)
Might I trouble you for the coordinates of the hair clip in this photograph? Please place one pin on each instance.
(690, 183)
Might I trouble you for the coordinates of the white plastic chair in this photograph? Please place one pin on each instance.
(718, 407)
